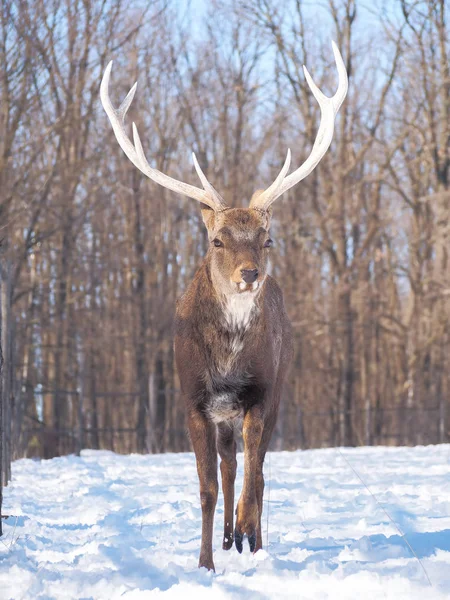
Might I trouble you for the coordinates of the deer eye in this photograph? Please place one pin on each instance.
(268, 243)
(217, 243)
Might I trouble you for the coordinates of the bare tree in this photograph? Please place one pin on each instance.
(98, 256)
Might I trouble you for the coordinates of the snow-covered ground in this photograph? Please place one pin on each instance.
(106, 526)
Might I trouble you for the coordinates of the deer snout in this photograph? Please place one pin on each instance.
(249, 275)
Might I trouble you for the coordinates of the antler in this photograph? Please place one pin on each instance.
(135, 152)
(328, 108)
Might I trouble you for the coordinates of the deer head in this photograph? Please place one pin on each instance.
(239, 244)
(239, 238)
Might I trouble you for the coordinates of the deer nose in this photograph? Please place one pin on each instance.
(249, 275)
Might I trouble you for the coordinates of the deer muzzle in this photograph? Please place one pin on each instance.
(249, 275)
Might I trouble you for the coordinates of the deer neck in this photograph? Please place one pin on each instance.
(238, 309)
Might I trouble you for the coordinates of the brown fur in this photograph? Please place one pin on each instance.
(232, 364)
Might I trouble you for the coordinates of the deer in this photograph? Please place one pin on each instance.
(233, 339)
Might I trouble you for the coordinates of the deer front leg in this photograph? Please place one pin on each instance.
(269, 424)
(203, 436)
(226, 446)
(248, 517)
(259, 499)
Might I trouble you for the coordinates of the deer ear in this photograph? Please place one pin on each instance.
(268, 217)
(208, 215)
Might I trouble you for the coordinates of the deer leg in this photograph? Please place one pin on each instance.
(259, 499)
(265, 440)
(226, 445)
(248, 513)
(203, 436)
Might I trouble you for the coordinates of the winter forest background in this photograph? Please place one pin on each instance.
(94, 255)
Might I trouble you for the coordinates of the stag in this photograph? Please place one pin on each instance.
(233, 340)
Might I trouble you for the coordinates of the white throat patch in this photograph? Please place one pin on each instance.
(239, 308)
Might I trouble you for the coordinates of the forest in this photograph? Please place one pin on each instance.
(93, 255)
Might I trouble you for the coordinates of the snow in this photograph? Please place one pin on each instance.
(106, 526)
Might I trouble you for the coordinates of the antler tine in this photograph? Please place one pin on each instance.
(205, 183)
(328, 108)
(256, 201)
(135, 152)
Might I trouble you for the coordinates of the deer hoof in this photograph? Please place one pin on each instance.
(252, 541)
(207, 563)
(227, 542)
(238, 537)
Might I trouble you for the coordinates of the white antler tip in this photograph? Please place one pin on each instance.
(139, 149)
(287, 164)
(336, 52)
(107, 72)
(104, 85)
(309, 79)
(137, 140)
(129, 98)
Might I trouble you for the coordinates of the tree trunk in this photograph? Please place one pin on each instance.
(1, 407)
